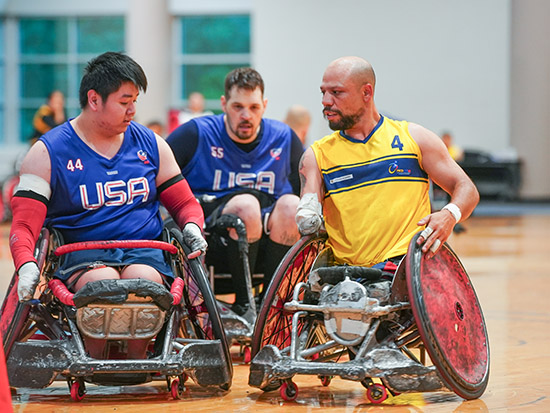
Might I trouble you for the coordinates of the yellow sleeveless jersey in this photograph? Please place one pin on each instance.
(375, 192)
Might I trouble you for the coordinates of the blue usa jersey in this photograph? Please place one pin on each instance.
(219, 165)
(95, 198)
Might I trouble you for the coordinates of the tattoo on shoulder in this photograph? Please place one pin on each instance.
(303, 180)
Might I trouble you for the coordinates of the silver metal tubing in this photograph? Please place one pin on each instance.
(168, 344)
(294, 333)
(77, 339)
(317, 349)
(368, 338)
(297, 289)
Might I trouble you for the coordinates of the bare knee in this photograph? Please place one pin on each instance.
(96, 274)
(247, 208)
(282, 223)
(141, 271)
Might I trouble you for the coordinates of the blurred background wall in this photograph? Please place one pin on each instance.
(477, 68)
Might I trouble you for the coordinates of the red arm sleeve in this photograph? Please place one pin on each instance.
(180, 202)
(28, 217)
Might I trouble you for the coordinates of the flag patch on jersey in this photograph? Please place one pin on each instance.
(142, 155)
(276, 153)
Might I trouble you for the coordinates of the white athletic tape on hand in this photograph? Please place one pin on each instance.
(192, 236)
(435, 246)
(309, 214)
(426, 233)
(453, 209)
(29, 275)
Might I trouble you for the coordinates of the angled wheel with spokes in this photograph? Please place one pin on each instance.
(273, 323)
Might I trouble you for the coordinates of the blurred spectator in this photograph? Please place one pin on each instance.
(454, 150)
(194, 109)
(299, 119)
(157, 127)
(48, 116)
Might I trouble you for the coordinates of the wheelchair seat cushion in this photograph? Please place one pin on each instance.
(116, 291)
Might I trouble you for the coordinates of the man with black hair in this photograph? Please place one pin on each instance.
(101, 176)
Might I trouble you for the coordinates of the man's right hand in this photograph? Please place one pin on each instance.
(309, 216)
(29, 275)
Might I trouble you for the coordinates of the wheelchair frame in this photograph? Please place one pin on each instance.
(238, 328)
(292, 334)
(42, 341)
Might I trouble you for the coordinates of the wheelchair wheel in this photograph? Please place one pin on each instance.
(273, 324)
(15, 323)
(200, 318)
(449, 319)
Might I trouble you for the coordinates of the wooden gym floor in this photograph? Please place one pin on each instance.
(508, 260)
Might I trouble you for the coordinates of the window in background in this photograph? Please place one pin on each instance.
(211, 46)
(53, 53)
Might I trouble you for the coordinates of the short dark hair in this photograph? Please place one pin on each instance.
(243, 78)
(106, 73)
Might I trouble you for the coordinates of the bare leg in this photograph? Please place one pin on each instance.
(282, 226)
(247, 208)
(137, 349)
(94, 346)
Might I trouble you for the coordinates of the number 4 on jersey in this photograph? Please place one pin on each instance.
(77, 165)
(396, 143)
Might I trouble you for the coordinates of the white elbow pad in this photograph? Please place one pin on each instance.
(309, 215)
(34, 183)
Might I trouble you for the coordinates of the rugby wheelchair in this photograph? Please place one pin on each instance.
(238, 327)
(418, 330)
(43, 339)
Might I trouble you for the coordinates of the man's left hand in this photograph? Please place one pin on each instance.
(439, 227)
(192, 235)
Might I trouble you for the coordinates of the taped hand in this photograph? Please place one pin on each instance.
(29, 275)
(309, 215)
(192, 235)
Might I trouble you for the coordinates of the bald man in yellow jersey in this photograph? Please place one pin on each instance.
(368, 180)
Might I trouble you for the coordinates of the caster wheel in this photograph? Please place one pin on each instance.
(325, 380)
(247, 355)
(78, 390)
(377, 393)
(289, 391)
(176, 389)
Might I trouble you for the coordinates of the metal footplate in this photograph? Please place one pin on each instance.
(401, 374)
(35, 364)
(238, 329)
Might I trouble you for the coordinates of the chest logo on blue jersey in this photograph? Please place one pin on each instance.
(262, 181)
(142, 155)
(276, 153)
(114, 193)
(395, 169)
